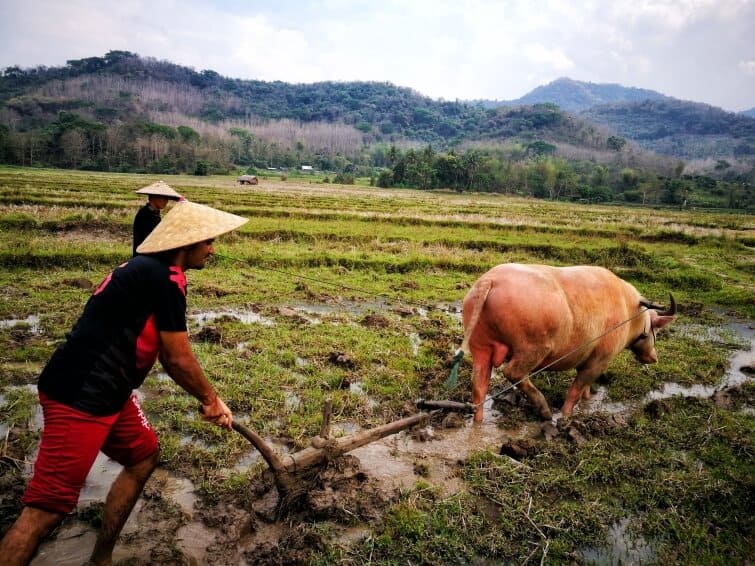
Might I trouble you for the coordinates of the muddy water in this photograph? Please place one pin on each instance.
(432, 454)
(32, 321)
(621, 548)
(75, 539)
(247, 317)
(741, 364)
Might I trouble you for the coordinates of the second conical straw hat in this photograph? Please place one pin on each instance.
(160, 189)
(188, 223)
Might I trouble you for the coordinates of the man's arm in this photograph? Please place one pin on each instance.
(179, 361)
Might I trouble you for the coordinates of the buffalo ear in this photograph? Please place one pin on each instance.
(660, 321)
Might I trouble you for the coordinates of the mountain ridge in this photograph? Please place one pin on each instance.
(150, 95)
(576, 96)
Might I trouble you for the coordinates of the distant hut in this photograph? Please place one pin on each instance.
(247, 180)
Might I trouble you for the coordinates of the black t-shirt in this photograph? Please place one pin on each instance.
(115, 342)
(144, 222)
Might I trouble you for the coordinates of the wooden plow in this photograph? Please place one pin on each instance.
(291, 470)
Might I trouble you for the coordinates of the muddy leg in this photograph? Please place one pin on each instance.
(580, 387)
(575, 391)
(120, 501)
(21, 541)
(536, 398)
(517, 370)
(481, 369)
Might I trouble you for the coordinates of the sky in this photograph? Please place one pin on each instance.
(698, 50)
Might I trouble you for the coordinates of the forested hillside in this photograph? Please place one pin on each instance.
(122, 112)
(575, 96)
(681, 129)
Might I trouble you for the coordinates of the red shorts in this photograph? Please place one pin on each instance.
(70, 442)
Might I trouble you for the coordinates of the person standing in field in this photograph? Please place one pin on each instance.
(158, 195)
(135, 316)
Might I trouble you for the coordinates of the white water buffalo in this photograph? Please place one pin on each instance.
(532, 316)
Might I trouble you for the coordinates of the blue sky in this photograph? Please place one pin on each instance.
(700, 50)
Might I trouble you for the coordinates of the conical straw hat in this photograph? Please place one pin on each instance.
(188, 223)
(160, 189)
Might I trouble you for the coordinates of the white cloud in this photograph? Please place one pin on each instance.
(442, 48)
(553, 57)
(673, 15)
(748, 67)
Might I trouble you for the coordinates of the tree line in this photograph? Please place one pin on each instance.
(533, 169)
(542, 175)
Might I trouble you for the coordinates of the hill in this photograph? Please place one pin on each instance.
(121, 88)
(656, 122)
(576, 96)
(683, 129)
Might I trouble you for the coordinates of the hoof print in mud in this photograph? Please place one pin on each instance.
(341, 360)
(657, 408)
(549, 431)
(517, 449)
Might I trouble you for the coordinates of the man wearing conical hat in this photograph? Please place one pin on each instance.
(135, 316)
(158, 195)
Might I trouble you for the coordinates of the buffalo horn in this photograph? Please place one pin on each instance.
(671, 311)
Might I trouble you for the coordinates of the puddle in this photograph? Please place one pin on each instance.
(253, 457)
(292, 401)
(178, 490)
(246, 317)
(415, 342)
(341, 306)
(193, 540)
(395, 460)
(32, 321)
(621, 548)
(98, 482)
(37, 419)
(74, 540)
(72, 544)
(739, 333)
(357, 388)
(342, 429)
(734, 375)
(163, 377)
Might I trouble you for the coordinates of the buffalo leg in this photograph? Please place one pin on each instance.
(580, 387)
(536, 398)
(575, 391)
(516, 371)
(481, 368)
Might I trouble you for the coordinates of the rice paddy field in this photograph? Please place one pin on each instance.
(353, 293)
